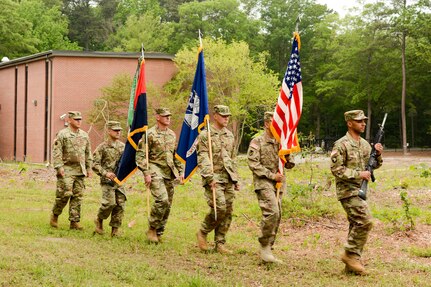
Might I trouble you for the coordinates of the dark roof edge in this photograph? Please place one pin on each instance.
(61, 53)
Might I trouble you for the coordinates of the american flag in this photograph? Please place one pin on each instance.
(289, 106)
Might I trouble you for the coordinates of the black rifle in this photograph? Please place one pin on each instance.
(372, 162)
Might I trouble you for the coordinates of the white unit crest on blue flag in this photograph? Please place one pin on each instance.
(195, 119)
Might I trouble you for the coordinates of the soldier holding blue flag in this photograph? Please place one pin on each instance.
(162, 170)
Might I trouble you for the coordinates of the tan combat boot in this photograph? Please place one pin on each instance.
(152, 235)
(99, 225)
(114, 232)
(223, 249)
(267, 256)
(74, 225)
(353, 263)
(202, 241)
(54, 220)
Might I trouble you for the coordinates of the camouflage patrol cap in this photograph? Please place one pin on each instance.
(355, 115)
(222, 110)
(268, 116)
(163, 112)
(113, 125)
(75, 115)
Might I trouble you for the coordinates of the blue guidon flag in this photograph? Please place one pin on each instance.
(139, 124)
(195, 119)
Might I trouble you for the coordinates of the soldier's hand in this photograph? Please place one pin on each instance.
(148, 180)
(110, 175)
(213, 184)
(60, 172)
(89, 173)
(379, 148)
(366, 175)
(279, 177)
(236, 186)
(181, 179)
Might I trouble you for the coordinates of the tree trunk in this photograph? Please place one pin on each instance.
(403, 93)
(369, 115)
(318, 120)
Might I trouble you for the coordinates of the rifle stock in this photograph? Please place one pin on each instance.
(372, 162)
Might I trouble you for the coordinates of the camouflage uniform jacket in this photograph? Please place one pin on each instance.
(263, 160)
(72, 151)
(348, 159)
(223, 152)
(161, 154)
(106, 157)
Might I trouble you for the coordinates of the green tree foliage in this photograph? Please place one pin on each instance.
(279, 21)
(247, 87)
(106, 10)
(30, 26)
(146, 29)
(367, 63)
(48, 25)
(15, 33)
(323, 99)
(221, 19)
(86, 26)
(170, 8)
(126, 8)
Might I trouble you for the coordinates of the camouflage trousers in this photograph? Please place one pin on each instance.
(162, 191)
(225, 195)
(112, 203)
(69, 189)
(360, 223)
(271, 215)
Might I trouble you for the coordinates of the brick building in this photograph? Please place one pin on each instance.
(35, 91)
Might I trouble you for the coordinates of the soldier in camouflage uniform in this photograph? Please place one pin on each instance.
(263, 162)
(106, 157)
(220, 175)
(162, 171)
(349, 158)
(72, 162)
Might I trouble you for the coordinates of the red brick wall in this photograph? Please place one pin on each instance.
(35, 113)
(7, 92)
(74, 83)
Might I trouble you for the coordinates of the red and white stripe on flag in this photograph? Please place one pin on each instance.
(289, 105)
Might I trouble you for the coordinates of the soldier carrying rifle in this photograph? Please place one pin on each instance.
(349, 159)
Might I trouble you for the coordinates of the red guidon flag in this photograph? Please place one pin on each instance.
(289, 106)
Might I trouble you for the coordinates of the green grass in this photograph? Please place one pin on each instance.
(310, 239)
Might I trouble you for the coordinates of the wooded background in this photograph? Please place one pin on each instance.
(376, 58)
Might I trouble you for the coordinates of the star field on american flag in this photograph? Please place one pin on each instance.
(293, 73)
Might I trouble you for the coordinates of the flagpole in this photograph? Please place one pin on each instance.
(298, 19)
(212, 169)
(147, 163)
(210, 148)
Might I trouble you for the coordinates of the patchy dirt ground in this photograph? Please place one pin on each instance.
(310, 247)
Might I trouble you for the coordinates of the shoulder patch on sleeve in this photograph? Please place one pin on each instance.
(334, 155)
(254, 145)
